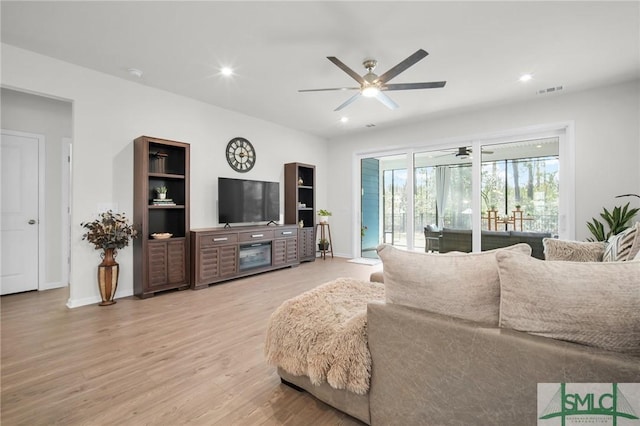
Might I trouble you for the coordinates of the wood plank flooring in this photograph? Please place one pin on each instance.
(184, 357)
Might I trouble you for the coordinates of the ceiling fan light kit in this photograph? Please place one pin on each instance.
(372, 85)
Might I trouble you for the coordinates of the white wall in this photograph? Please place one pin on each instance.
(108, 113)
(607, 147)
(51, 118)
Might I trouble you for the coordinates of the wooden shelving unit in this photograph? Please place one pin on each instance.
(300, 206)
(161, 264)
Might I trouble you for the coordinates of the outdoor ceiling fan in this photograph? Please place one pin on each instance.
(373, 86)
(464, 152)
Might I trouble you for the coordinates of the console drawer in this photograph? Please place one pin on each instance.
(218, 239)
(267, 234)
(286, 233)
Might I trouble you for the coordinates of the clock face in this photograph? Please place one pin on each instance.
(240, 155)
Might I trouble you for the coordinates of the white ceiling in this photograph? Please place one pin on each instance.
(479, 48)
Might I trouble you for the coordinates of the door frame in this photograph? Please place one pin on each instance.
(66, 211)
(41, 198)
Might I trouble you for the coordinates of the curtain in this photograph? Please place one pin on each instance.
(443, 177)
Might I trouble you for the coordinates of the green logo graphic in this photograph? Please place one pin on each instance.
(614, 405)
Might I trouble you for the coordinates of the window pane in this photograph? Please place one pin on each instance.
(442, 198)
(520, 186)
(394, 200)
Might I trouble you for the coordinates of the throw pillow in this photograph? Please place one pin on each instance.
(623, 246)
(462, 285)
(591, 303)
(577, 251)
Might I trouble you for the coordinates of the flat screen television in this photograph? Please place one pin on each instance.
(244, 201)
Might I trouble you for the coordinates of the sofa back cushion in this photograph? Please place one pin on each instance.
(576, 251)
(462, 285)
(591, 303)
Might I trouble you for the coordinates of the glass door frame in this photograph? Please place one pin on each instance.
(566, 203)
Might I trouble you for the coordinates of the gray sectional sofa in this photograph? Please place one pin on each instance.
(453, 239)
(450, 353)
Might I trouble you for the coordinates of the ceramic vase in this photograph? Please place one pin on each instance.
(108, 277)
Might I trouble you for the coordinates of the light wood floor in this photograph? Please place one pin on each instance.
(188, 357)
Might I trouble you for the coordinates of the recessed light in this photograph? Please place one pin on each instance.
(344, 119)
(227, 71)
(525, 77)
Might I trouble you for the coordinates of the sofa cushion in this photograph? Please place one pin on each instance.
(592, 303)
(576, 251)
(463, 285)
(623, 246)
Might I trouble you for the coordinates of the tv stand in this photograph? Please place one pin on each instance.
(224, 253)
(271, 222)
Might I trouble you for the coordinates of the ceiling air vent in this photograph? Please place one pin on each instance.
(550, 90)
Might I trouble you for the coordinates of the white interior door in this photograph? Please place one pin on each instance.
(19, 227)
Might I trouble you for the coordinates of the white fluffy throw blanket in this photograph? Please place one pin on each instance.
(323, 334)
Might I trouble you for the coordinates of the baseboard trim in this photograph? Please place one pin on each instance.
(76, 303)
(52, 285)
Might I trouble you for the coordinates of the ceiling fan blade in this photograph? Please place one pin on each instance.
(348, 101)
(402, 66)
(357, 77)
(411, 86)
(387, 101)
(325, 90)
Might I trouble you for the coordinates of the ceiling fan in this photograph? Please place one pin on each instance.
(373, 86)
(464, 152)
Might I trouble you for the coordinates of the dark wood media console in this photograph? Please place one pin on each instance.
(220, 254)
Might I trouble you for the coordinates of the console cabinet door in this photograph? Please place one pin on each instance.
(208, 264)
(177, 272)
(167, 262)
(228, 260)
(157, 263)
(292, 250)
(279, 256)
(307, 244)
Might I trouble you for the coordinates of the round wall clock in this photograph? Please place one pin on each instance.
(241, 155)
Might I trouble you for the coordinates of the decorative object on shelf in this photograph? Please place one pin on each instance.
(163, 202)
(109, 233)
(162, 192)
(241, 155)
(301, 223)
(617, 219)
(323, 216)
(158, 165)
(161, 235)
(300, 181)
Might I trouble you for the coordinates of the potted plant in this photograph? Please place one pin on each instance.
(617, 219)
(323, 216)
(109, 233)
(323, 244)
(162, 192)
(518, 207)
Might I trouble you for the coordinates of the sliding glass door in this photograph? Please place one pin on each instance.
(467, 197)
